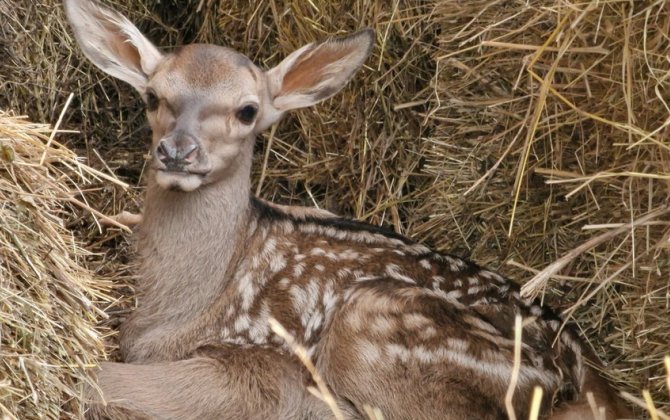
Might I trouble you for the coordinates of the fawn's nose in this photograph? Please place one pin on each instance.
(177, 150)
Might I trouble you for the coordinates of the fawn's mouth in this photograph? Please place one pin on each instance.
(185, 181)
(179, 171)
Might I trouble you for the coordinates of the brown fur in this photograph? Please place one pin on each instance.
(388, 322)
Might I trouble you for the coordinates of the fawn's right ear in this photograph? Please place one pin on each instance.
(112, 43)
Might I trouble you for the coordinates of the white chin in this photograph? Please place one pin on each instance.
(174, 181)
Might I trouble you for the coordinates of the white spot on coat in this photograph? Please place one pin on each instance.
(329, 298)
(247, 291)
(260, 328)
(394, 272)
(317, 252)
(298, 269)
(368, 351)
(242, 323)
(414, 321)
(277, 263)
(382, 325)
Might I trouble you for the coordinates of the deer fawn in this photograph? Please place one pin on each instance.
(388, 322)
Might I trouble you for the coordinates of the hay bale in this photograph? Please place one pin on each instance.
(553, 118)
(511, 132)
(49, 300)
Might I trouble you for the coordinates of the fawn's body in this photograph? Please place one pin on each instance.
(378, 314)
(388, 322)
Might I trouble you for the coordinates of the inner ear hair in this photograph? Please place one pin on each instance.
(318, 71)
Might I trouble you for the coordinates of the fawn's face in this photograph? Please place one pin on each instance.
(206, 103)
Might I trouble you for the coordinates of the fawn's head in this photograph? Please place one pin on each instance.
(205, 103)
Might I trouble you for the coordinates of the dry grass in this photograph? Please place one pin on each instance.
(516, 133)
(50, 302)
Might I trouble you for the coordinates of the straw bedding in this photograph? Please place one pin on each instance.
(50, 301)
(530, 136)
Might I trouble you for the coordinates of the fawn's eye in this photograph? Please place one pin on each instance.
(152, 101)
(246, 114)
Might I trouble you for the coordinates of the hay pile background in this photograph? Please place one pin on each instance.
(511, 132)
(49, 301)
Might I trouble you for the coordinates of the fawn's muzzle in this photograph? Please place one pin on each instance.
(177, 151)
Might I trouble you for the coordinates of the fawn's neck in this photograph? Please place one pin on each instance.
(189, 241)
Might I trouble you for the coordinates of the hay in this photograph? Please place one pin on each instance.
(561, 115)
(512, 132)
(49, 301)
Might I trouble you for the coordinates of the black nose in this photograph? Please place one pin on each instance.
(177, 149)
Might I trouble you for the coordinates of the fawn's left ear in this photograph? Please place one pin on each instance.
(317, 71)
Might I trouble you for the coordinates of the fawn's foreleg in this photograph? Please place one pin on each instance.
(218, 383)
